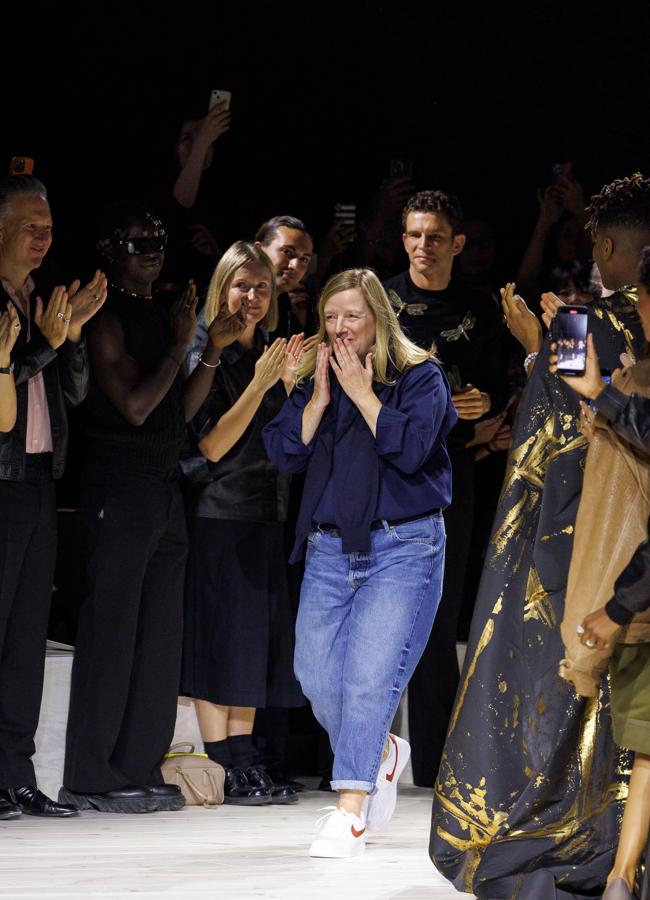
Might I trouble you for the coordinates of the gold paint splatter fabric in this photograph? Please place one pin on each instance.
(527, 803)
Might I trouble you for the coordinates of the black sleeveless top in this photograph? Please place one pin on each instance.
(111, 441)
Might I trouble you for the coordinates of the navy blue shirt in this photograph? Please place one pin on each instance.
(354, 478)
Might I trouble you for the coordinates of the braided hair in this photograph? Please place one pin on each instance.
(625, 203)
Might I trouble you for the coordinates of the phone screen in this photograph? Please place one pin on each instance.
(571, 339)
(345, 213)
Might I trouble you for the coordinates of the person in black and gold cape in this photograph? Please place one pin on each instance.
(529, 793)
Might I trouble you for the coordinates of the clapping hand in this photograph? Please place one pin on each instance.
(182, 316)
(294, 351)
(9, 331)
(522, 323)
(85, 302)
(268, 368)
(54, 322)
(550, 303)
(321, 395)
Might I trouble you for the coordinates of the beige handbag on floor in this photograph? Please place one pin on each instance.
(199, 777)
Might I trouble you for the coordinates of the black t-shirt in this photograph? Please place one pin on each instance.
(466, 328)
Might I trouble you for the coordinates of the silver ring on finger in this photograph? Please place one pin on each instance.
(60, 315)
(591, 643)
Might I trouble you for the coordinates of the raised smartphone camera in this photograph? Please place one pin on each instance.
(570, 335)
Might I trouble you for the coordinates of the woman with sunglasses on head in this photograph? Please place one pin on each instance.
(128, 647)
(238, 620)
(367, 423)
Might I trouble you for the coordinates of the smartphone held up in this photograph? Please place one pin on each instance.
(570, 336)
(218, 96)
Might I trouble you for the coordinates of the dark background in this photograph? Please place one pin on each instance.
(324, 95)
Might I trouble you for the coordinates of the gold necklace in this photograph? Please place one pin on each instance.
(131, 293)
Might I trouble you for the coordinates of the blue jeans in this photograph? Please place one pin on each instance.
(363, 623)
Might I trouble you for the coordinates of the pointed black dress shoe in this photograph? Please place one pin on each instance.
(34, 803)
(237, 789)
(8, 809)
(280, 793)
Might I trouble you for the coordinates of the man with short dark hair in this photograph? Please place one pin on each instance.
(466, 328)
(50, 370)
(290, 247)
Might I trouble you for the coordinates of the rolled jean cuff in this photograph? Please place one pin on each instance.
(366, 786)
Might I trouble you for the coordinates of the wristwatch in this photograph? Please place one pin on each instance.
(7, 370)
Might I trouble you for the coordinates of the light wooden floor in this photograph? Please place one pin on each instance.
(224, 853)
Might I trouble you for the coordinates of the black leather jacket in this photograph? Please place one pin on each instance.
(244, 484)
(65, 374)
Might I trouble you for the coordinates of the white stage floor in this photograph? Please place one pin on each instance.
(224, 853)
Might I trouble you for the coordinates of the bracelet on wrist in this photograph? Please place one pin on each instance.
(528, 362)
(209, 365)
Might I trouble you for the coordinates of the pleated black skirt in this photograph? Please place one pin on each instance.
(239, 625)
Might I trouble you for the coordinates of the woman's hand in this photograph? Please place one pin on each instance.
(226, 327)
(293, 353)
(486, 430)
(598, 631)
(215, 123)
(268, 368)
(321, 395)
(522, 323)
(9, 331)
(355, 379)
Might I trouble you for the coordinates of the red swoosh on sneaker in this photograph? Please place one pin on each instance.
(392, 774)
(355, 833)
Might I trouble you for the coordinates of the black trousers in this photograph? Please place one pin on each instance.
(27, 559)
(126, 671)
(433, 687)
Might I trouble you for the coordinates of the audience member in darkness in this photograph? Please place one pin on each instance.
(128, 650)
(558, 236)
(50, 371)
(239, 623)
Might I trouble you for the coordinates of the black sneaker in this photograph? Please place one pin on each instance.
(237, 789)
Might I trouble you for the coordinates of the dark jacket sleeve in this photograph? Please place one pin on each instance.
(632, 588)
(33, 356)
(629, 416)
(283, 436)
(74, 371)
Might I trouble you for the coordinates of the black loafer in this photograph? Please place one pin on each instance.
(280, 793)
(129, 799)
(238, 790)
(168, 796)
(8, 809)
(34, 803)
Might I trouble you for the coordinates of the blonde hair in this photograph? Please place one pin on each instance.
(391, 346)
(241, 253)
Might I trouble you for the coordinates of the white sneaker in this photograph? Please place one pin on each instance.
(380, 807)
(341, 834)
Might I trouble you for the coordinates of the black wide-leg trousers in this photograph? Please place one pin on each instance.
(27, 560)
(434, 683)
(126, 671)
